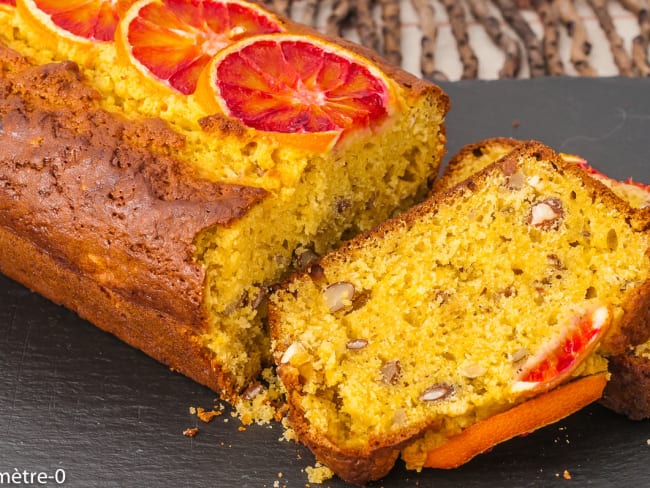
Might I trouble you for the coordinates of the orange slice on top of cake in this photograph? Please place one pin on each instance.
(306, 91)
(171, 41)
(81, 21)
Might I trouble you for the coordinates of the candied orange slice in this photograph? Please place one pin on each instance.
(172, 40)
(555, 362)
(295, 84)
(78, 20)
(526, 417)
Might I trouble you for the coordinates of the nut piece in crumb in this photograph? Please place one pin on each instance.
(520, 355)
(546, 215)
(356, 344)
(470, 370)
(296, 354)
(440, 391)
(338, 295)
(305, 258)
(252, 391)
(316, 273)
(191, 432)
(516, 181)
(391, 372)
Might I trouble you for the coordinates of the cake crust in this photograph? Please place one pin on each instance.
(100, 202)
(628, 391)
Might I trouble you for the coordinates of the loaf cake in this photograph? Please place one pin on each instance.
(455, 312)
(164, 221)
(628, 389)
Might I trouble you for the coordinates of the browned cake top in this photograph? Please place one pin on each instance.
(68, 167)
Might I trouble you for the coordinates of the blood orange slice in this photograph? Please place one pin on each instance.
(172, 40)
(78, 20)
(296, 85)
(562, 356)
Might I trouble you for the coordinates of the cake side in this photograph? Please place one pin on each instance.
(100, 202)
(628, 391)
(375, 346)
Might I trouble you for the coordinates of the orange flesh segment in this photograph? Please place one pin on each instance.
(295, 86)
(554, 364)
(8, 2)
(522, 419)
(175, 39)
(581, 162)
(89, 19)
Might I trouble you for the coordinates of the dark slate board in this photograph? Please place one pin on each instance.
(73, 398)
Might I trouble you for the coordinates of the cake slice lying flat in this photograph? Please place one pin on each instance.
(464, 307)
(628, 391)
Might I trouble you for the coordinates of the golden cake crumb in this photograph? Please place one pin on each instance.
(319, 473)
(206, 416)
(289, 434)
(191, 432)
(566, 474)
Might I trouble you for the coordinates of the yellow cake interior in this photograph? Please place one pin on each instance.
(459, 296)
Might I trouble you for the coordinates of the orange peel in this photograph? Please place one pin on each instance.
(522, 419)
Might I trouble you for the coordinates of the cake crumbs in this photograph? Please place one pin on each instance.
(566, 474)
(241, 428)
(207, 416)
(319, 473)
(191, 432)
(263, 402)
(289, 434)
(192, 410)
(648, 442)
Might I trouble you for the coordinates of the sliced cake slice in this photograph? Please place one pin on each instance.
(469, 304)
(628, 390)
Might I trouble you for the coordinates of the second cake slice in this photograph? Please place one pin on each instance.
(475, 301)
